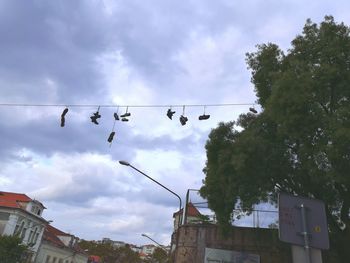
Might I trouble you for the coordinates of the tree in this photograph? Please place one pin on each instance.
(11, 249)
(300, 142)
(110, 254)
(160, 255)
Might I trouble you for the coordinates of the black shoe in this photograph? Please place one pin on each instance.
(110, 138)
(183, 120)
(203, 117)
(170, 114)
(127, 114)
(62, 121)
(95, 117)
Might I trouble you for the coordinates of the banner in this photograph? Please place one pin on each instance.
(229, 256)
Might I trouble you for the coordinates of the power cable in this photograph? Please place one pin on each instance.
(130, 106)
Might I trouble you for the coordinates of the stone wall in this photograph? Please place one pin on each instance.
(193, 239)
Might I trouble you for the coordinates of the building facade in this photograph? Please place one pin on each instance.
(60, 247)
(20, 215)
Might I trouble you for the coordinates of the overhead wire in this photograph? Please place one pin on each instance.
(124, 117)
(126, 105)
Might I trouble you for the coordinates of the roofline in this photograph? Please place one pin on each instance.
(38, 202)
(26, 212)
(64, 247)
(31, 199)
(14, 193)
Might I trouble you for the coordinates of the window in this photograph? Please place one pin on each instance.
(36, 237)
(4, 216)
(18, 228)
(23, 233)
(54, 260)
(60, 260)
(47, 259)
(35, 209)
(30, 236)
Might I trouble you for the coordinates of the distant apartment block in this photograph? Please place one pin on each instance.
(115, 244)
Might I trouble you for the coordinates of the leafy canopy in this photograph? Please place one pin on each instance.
(300, 142)
(109, 253)
(11, 249)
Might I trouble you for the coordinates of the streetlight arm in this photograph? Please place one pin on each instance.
(144, 235)
(166, 188)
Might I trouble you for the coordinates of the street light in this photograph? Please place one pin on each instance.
(166, 188)
(161, 246)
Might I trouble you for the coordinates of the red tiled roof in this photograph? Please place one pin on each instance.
(56, 231)
(191, 211)
(51, 237)
(12, 200)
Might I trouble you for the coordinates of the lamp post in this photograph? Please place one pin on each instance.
(166, 188)
(161, 246)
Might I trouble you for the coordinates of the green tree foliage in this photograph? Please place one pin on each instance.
(160, 255)
(11, 249)
(110, 254)
(300, 142)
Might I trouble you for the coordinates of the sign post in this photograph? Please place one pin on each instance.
(302, 222)
(305, 233)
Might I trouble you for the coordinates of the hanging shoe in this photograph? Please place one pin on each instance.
(253, 110)
(203, 117)
(95, 117)
(63, 120)
(183, 120)
(110, 138)
(127, 114)
(170, 114)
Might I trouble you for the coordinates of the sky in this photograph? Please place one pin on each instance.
(127, 53)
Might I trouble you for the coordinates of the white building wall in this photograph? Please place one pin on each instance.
(48, 253)
(10, 225)
(30, 222)
(66, 240)
(136, 249)
(148, 250)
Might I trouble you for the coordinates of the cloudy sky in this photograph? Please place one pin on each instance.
(126, 53)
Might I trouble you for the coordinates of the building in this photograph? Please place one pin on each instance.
(21, 215)
(192, 215)
(60, 247)
(148, 249)
(135, 248)
(115, 244)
